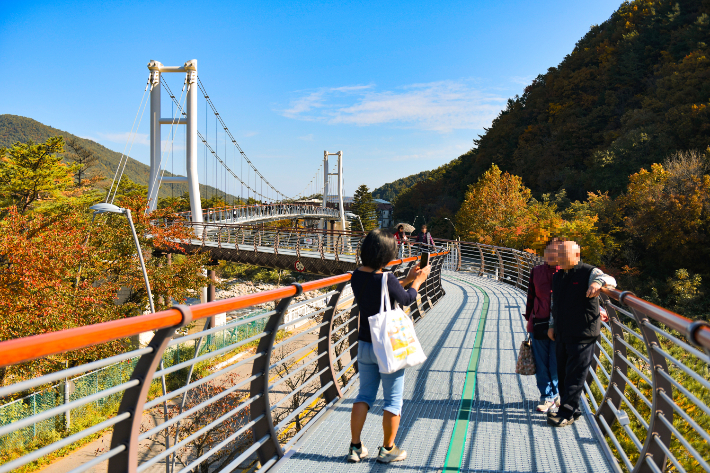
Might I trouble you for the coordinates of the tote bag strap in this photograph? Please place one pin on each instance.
(385, 305)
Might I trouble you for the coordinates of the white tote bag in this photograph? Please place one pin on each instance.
(394, 341)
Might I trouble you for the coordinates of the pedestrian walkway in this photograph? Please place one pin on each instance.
(463, 373)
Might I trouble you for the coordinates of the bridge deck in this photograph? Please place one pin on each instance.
(504, 432)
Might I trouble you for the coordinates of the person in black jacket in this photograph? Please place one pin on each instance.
(575, 325)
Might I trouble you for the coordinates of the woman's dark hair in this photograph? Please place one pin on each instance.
(400, 226)
(378, 248)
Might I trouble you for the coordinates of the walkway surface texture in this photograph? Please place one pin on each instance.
(503, 433)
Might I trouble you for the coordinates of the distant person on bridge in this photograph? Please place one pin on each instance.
(537, 313)
(425, 237)
(400, 236)
(378, 249)
(575, 324)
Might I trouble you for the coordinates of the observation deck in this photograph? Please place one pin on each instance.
(465, 409)
(254, 396)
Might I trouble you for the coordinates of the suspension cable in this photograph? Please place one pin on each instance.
(234, 141)
(214, 153)
(131, 137)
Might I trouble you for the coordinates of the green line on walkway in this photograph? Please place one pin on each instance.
(454, 456)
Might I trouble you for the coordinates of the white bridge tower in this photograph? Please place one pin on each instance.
(189, 120)
(339, 184)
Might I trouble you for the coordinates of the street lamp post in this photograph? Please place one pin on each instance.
(353, 215)
(452, 224)
(110, 208)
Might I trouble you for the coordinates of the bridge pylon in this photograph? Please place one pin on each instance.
(339, 184)
(189, 120)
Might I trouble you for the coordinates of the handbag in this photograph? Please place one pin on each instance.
(394, 340)
(526, 361)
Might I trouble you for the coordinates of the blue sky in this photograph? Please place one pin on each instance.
(399, 87)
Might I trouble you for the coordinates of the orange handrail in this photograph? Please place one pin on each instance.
(37, 346)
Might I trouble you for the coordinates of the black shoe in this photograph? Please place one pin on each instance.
(560, 421)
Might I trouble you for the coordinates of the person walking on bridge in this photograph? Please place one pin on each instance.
(425, 238)
(537, 313)
(575, 324)
(379, 248)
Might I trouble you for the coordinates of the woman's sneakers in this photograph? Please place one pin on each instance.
(357, 453)
(392, 455)
(545, 406)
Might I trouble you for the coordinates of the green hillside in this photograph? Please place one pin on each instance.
(14, 128)
(391, 190)
(634, 90)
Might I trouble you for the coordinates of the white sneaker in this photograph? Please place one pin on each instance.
(356, 454)
(545, 406)
(394, 455)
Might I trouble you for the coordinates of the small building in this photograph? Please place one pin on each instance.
(384, 213)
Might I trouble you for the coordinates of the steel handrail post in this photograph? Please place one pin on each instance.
(660, 406)
(501, 276)
(519, 264)
(619, 369)
(326, 345)
(127, 431)
(260, 386)
(335, 248)
(483, 263)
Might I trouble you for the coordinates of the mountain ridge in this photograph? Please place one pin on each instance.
(634, 90)
(16, 128)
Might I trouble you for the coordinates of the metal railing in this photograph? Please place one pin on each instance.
(648, 388)
(649, 383)
(242, 405)
(506, 265)
(263, 213)
(299, 242)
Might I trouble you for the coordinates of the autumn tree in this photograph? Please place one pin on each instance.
(495, 210)
(83, 157)
(365, 207)
(31, 174)
(61, 268)
(667, 213)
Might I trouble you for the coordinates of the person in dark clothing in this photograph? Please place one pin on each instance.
(425, 237)
(378, 248)
(537, 313)
(575, 324)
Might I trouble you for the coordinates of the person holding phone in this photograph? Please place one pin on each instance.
(379, 248)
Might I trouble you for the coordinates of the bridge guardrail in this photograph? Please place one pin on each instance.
(218, 417)
(262, 212)
(649, 383)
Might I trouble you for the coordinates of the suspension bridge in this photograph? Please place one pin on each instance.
(271, 400)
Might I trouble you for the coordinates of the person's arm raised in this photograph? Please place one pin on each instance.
(416, 277)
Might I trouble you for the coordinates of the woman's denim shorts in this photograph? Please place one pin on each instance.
(370, 376)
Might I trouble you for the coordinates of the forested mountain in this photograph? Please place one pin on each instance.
(634, 90)
(14, 128)
(391, 190)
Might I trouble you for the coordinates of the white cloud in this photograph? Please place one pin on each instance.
(522, 80)
(308, 137)
(440, 106)
(140, 138)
